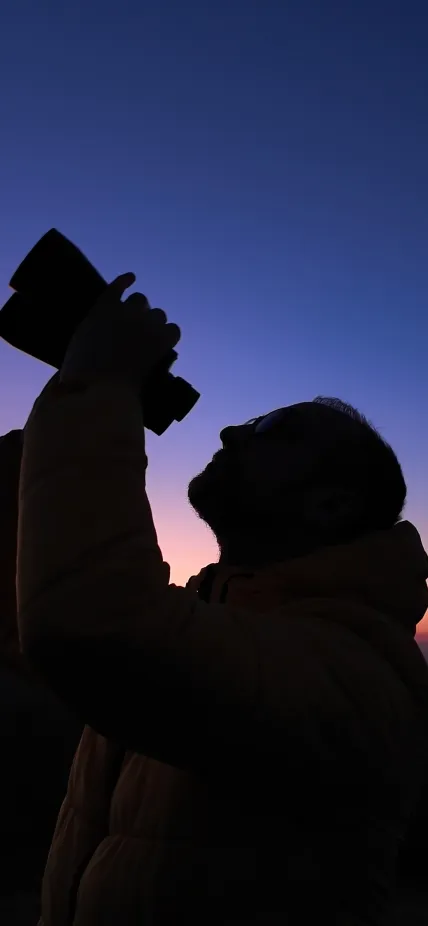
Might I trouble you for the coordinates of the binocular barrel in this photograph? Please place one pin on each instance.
(55, 288)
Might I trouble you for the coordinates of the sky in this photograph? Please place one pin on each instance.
(262, 167)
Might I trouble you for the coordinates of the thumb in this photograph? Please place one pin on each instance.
(110, 298)
(118, 287)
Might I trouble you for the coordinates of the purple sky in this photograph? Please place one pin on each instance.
(262, 167)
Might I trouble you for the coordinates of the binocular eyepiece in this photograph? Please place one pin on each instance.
(55, 288)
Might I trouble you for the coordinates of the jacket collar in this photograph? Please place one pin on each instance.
(385, 571)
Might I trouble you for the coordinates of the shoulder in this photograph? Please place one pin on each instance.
(319, 663)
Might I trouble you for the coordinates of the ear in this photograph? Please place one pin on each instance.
(331, 509)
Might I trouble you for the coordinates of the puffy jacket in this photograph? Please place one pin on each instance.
(413, 858)
(38, 736)
(255, 742)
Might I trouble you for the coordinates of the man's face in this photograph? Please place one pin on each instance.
(262, 476)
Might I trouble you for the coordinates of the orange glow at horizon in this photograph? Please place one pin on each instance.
(423, 626)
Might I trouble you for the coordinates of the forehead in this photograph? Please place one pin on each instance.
(314, 412)
(313, 420)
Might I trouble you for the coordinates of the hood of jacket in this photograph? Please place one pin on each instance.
(385, 571)
(376, 586)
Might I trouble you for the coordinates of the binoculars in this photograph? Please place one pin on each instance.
(55, 288)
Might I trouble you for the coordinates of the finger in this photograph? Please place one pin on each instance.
(118, 287)
(161, 328)
(138, 301)
(174, 334)
(161, 341)
(158, 317)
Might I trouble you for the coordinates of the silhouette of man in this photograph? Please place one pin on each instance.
(256, 741)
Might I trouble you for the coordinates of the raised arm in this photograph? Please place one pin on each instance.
(142, 661)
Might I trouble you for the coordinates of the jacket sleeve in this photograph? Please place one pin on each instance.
(143, 662)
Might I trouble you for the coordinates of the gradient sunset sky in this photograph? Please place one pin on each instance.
(262, 167)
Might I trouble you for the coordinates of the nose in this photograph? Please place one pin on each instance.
(231, 435)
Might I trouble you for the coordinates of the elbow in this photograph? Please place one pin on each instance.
(62, 666)
(44, 649)
(39, 650)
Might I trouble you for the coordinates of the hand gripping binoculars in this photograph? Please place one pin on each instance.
(55, 288)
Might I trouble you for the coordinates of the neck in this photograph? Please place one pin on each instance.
(257, 552)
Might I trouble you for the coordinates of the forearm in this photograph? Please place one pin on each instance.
(85, 521)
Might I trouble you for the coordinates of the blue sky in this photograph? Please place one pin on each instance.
(262, 167)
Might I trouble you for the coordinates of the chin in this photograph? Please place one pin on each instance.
(201, 490)
(210, 499)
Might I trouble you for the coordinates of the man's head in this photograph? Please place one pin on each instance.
(306, 476)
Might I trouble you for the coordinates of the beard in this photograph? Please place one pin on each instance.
(215, 496)
(232, 502)
(250, 530)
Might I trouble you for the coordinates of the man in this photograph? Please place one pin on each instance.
(37, 734)
(256, 741)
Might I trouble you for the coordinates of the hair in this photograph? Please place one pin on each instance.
(368, 463)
